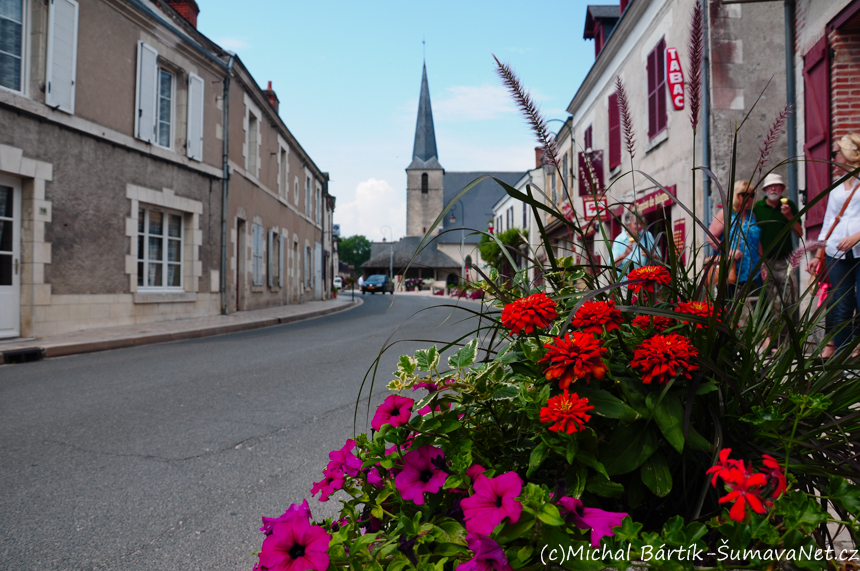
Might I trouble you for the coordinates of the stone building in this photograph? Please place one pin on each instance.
(113, 155)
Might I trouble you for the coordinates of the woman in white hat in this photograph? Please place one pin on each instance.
(841, 251)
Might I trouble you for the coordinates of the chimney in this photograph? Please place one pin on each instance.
(273, 98)
(538, 157)
(188, 9)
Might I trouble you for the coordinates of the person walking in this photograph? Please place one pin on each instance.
(744, 233)
(632, 248)
(841, 252)
(361, 284)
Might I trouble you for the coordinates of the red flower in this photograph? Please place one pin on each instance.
(577, 358)
(744, 490)
(651, 275)
(656, 322)
(662, 357)
(529, 313)
(568, 412)
(722, 469)
(774, 474)
(700, 308)
(593, 316)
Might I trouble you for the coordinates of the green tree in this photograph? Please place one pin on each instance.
(354, 251)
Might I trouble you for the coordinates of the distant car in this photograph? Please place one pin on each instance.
(338, 282)
(378, 282)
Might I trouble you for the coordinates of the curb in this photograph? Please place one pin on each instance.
(151, 339)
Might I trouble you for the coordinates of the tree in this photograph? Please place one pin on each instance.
(354, 251)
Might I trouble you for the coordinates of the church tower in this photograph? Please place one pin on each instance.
(424, 175)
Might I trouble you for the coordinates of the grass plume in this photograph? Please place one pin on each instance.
(696, 47)
(626, 120)
(772, 136)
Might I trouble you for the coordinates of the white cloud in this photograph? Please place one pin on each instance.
(376, 204)
(473, 103)
(233, 44)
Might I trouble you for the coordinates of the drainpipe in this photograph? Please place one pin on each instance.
(225, 180)
(322, 207)
(706, 119)
(790, 97)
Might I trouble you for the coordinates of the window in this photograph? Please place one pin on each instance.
(499, 227)
(258, 255)
(510, 216)
(307, 196)
(164, 111)
(276, 259)
(253, 158)
(657, 89)
(525, 215)
(159, 249)
(425, 184)
(296, 191)
(12, 44)
(318, 205)
(587, 138)
(62, 54)
(284, 173)
(564, 170)
(552, 184)
(614, 132)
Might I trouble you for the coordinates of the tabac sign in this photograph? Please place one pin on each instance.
(675, 76)
(595, 209)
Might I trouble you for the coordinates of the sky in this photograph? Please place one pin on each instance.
(348, 76)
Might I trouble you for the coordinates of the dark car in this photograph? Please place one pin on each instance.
(378, 282)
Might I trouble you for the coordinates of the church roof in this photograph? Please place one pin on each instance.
(477, 203)
(424, 154)
(403, 251)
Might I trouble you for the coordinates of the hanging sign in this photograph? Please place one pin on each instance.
(679, 234)
(595, 209)
(675, 76)
(654, 200)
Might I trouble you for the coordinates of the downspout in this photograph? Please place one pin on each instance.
(706, 119)
(323, 206)
(790, 96)
(225, 180)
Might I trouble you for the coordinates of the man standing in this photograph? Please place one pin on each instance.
(773, 214)
(632, 247)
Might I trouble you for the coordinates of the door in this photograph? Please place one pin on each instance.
(317, 270)
(816, 89)
(10, 257)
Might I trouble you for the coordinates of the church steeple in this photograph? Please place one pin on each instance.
(424, 154)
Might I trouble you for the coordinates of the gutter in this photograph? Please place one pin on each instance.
(225, 182)
(791, 97)
(706, 120)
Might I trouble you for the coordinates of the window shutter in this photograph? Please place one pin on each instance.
(652, 88)
(816, 147)
(271, 264)
(195, 117)
(614, 132)
(147, 91)
(281, 263)
(660, 64)
(62, 54)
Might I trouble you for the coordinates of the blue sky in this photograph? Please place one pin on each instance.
(348, 75)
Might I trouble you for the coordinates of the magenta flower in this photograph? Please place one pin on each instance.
(395, 410)
(333, 481)
(344, 460)
(474, 470)
(293, 512)
(598, 521)
(489, 555)
(493, 500)
(295, 546)
(420, 474)
(430, 386)
(373, 477)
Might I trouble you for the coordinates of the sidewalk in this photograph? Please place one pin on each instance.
(23, 350)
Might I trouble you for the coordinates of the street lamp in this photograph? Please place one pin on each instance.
(391, 250)
(453, 219)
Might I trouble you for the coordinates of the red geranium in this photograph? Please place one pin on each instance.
(656, 322)
(593, 316)
(652, 275)
(567, 411)
(700, 308)
(775, 474)
(662, 357)
(578, 358)
(529, 313)
(745, 489)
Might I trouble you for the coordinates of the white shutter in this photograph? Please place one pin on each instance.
(147, 92)
(195, 117)
(271, 258)
(62, 55)
(281, 263)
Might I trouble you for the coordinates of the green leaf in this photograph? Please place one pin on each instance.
(706, 387)
(450, 424)
(362, 542)
(570, 451)
(512, 531)
(444, 549)
(575, 480)
(406, 365)
(607, 405)
(669, 415)
(656, 475)
(604, 488)
(696, 441)
(398, 564)
(627, 448)
(465, 356)
(532, 350)
(453, 481)
(506, 392)
(550, 515)
(589, 460)
(539, 454)
(427, 359)
(766, 418)
(845, 494)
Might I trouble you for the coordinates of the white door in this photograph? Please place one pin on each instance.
(10, 257)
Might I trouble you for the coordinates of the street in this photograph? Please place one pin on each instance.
(166, 456)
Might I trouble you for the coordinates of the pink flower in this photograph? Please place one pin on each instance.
(395, 410)
(420, 474)
(493, 500)
(293, 512)
(295, 546)
(474, 470)
(344, 460)
(373, 477)
(600, 522)
(333, 481)
(489, 556)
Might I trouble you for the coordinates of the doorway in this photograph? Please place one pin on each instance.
(10, 257)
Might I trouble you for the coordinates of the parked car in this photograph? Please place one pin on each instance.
(338, 282)
(378, 282)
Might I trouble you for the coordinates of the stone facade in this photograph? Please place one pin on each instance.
(424, 200)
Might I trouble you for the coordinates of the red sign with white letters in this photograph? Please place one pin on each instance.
(675, 77)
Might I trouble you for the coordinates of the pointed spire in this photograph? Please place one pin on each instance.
(424, 150)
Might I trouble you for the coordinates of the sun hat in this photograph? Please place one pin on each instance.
(772, 179)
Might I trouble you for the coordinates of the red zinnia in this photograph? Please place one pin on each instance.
(529, 313)
(593, 316)
(700, 308)
(662, 357)
(568, 412)
(577, 358)
(656, 322)
(650, 275)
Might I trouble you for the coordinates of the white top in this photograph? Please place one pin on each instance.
(849, 223)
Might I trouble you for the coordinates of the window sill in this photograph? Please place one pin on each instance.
(657, 140)
(165, 297)
(257, 289)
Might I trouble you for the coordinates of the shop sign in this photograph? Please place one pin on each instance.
(675, 77)
(679, 235)
(592, 209)
(654, 200)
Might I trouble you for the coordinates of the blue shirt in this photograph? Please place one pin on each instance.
(639, 255)
(745, 236)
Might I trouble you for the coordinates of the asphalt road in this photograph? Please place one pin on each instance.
(166, 456)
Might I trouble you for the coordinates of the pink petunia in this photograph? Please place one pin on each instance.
(373, 477)
(493, 501)
(489, 555)
(293, 512)
(333, 481)
(419, 474)
(344, 460)
(474, 470)
(598, 521)
(394, 410)
(295, 546)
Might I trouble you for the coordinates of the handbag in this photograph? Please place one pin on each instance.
(713, 275)
(820, 274)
